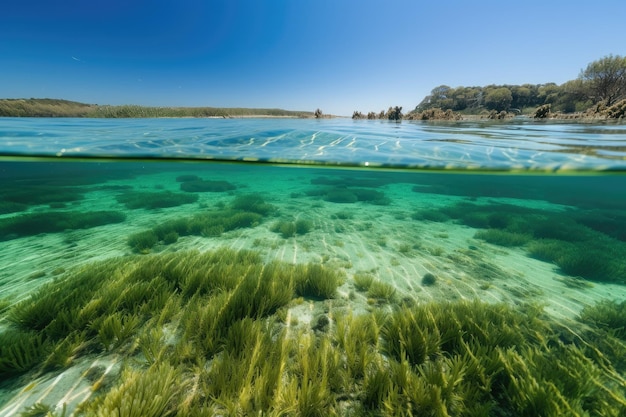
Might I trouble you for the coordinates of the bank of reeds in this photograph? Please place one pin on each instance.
(64, 108)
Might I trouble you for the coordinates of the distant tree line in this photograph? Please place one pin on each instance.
(601, 85)
(44, 107)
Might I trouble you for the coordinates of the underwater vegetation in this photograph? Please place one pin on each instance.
(51, 184)
(32, 224)
(141, 394)
(243, 212)
(187, 177)
(566, 238)
(609, 222)
(155, 200)
(353, 195)
(215, 300)
(289, 229)
(254, 203)
(429, 279)
(142, 242)
(198, 185)
(30, 194)
(607, 315)
(607, 330)
(202, 337)
(11, 207)
(600, 192)
(354, 179)
(342, 215)
(42, 410)
(316, 281)
(339, 192)
(502, 237)
(363, 281)
(381, 291)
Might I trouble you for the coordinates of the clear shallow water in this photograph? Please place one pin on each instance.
(519, 145)
(441, 273)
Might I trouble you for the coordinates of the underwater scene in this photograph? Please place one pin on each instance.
(311, 268)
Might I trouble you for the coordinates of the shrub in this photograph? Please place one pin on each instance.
(394, 113)
(617, 111)
(542, 111)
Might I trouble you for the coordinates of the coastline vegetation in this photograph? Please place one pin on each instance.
(599, 92)
(46, 107)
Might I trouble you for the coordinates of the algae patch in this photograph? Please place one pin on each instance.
(210, 334)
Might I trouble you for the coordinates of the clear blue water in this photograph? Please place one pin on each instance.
(520, 145)
(472, 227)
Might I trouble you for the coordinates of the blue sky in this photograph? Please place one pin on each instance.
(335, 55)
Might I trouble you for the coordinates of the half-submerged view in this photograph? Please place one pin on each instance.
(204, 267)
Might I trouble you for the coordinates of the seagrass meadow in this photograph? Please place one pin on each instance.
(154, 287)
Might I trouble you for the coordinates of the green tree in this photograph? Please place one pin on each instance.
(498, 99)
(548, 93)
(436, 98)
(572, 96)
(605, 79)
(521, 96)
(464, 97)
